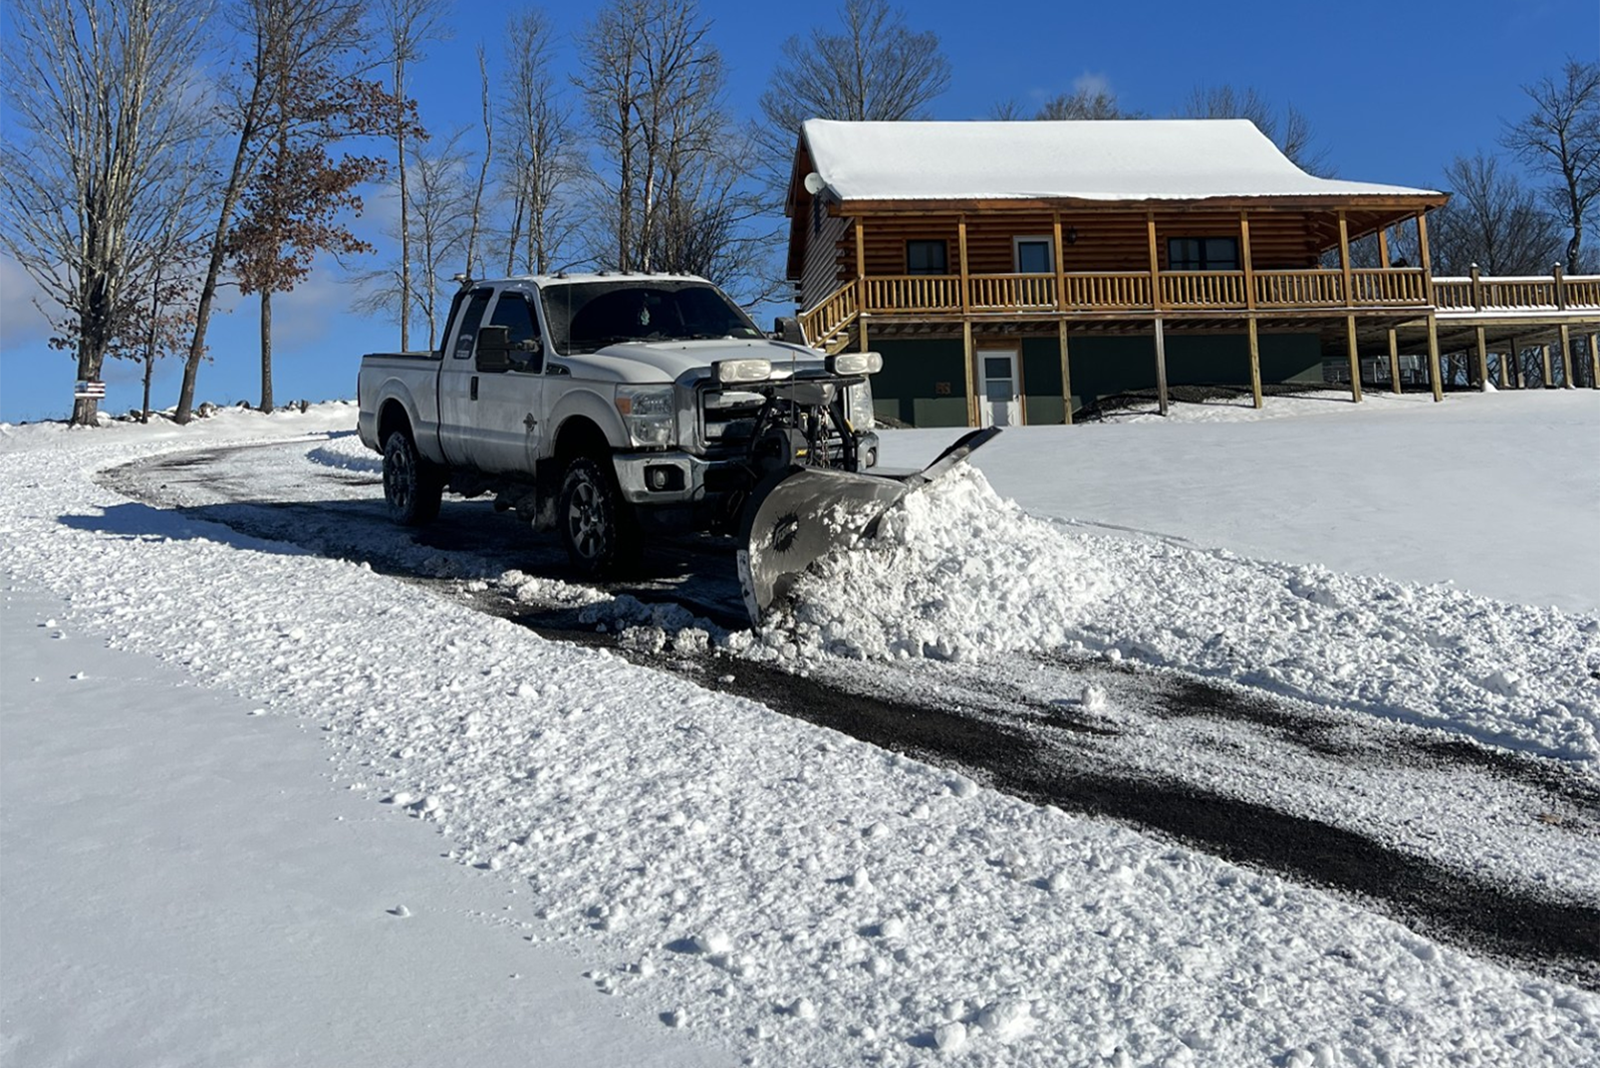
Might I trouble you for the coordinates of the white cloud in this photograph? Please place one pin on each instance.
(22, 324)
(1091, 83)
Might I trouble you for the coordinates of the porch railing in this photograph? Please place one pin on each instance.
(1393, 285)
(1108, 290)
(1011, 292)
(1141, 291)
(1299, 289)
(829, 320)
(904, 292)
(1203, 289)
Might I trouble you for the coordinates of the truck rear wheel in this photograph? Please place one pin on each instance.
(411, 485)
(598, 527)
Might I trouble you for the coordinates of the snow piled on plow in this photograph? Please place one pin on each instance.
(955, 571)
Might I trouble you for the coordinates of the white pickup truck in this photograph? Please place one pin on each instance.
(606, 405)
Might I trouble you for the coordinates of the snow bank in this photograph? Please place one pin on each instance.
(957, 573)
(1513, 675)
(347, 453)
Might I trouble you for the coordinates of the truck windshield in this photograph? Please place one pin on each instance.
(586, 316)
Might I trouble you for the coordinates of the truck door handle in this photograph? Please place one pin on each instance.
(474, 387)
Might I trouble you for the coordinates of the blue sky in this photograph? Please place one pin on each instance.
(1393, 91)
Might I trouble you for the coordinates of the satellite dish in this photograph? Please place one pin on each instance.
(814, 183)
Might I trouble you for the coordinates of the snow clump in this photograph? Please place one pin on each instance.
(955, 572)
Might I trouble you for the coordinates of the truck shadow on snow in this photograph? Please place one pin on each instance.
(695, 571)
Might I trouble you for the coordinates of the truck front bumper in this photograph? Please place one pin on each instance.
(649, 479)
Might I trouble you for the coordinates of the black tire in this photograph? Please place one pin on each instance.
(598, 528)
(411, 485)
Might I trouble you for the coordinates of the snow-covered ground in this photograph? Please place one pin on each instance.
(744, 885)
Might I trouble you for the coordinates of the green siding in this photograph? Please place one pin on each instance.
(907, 387)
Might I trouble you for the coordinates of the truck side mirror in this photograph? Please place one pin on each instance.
(787, 328)
(494, 348)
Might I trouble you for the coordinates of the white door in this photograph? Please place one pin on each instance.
(999, 392)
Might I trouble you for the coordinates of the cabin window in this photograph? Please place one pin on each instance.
(1203, 254)
(1034, 255)
(927, 257)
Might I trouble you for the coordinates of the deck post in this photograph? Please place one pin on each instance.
(861, 283)
(1255, 362)
(1433, 353)
(1517, 380)
(1477, 287)
(1505, 369)
(1350, 344)
(1161, 367)
(1566, 357)
(1483, 362)
(1394, 362)
(1427, 264)
(1349, 297)
(1155, 270)
(861, 263)
(1544, 357)
(1594, 362)
(1066, 372)
(972, 391)
(1061, 280)
(1249, 277)
(966, 289)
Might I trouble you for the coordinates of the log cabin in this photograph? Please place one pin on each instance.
(1012, 272)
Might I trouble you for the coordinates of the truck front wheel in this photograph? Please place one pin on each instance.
(411, 485)
(597, 526)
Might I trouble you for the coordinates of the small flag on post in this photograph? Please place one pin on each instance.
(89, 389)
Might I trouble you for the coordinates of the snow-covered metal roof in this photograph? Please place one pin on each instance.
(1124, 159)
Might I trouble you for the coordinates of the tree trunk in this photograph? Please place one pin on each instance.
(149, 373)
(405, 211)
(219, 245)
(266, 350)
(90, 359)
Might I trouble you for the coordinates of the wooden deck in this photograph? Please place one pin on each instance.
(1315, 293)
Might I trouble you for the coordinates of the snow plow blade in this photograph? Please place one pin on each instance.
(800, 515)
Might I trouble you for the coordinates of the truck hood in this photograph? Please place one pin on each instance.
(643, 362)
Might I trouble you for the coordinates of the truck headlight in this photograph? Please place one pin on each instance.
(649, 413)
(730, 372)
(858, 407)
(855, 363)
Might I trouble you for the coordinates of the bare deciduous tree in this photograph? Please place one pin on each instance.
(1491, 221)
(295, 56)
(1095, 102)
(1561, 138)
(669, 180)
(870, 66)
(1293, 138)
(473, 257)
(439, 195)
(407, 26)
(540, 161)
(97, 193)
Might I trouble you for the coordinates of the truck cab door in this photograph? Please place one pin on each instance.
(510, 408)
(458, 381)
